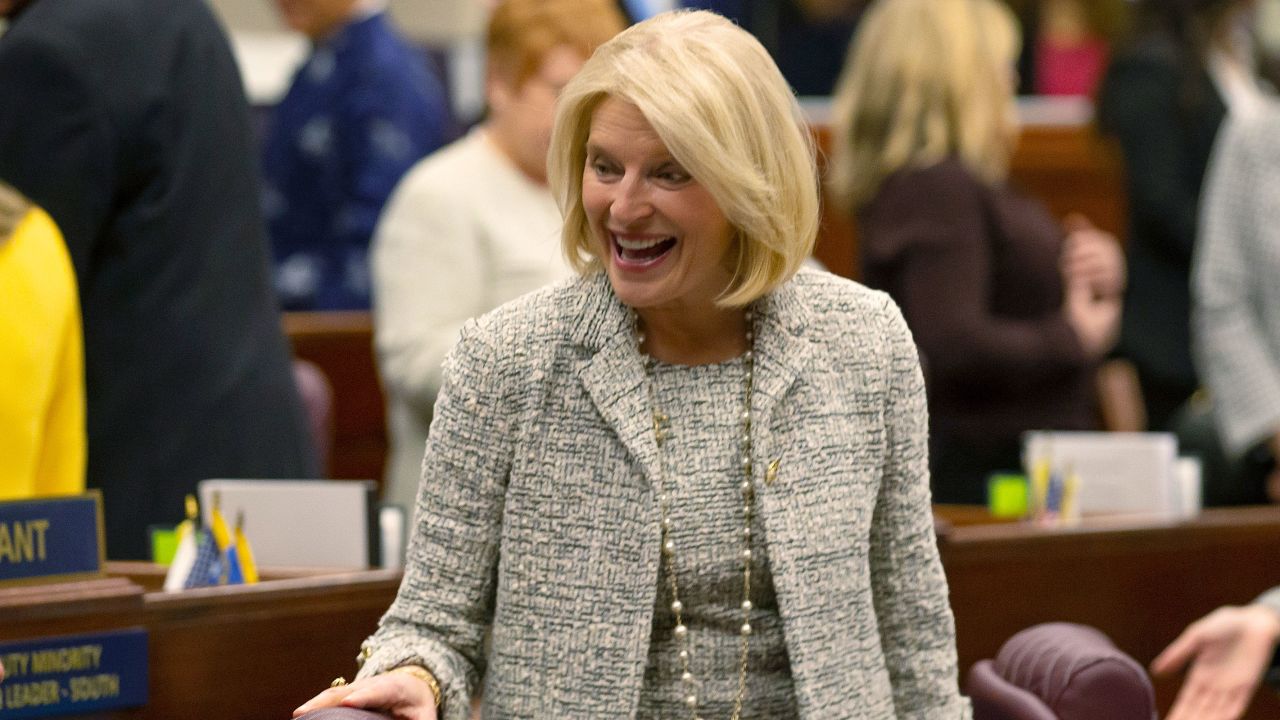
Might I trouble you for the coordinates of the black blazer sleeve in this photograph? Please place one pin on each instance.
(56, 142)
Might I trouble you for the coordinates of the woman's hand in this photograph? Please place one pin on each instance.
(1095, 320)
(400, 695)
(1228, 649)
(1094, 257)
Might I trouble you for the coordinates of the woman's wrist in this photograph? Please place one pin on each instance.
(425, 676)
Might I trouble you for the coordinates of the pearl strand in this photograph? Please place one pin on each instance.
(747, 489)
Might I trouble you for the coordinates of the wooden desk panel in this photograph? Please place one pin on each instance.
(234, 653)
(69, 608)
(249, 653)
(1141, 583)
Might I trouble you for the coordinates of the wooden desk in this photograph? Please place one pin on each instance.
(234, 653)
(1139, 582)
(257, 652)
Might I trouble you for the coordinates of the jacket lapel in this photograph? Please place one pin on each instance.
(782, 352)
(612, 371)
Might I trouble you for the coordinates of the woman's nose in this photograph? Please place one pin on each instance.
(631, 201)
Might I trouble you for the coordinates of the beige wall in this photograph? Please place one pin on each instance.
(432, 22)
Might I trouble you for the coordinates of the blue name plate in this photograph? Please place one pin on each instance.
(51, 539)
(74, 674)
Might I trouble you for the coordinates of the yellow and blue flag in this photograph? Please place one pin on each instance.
(240, 559)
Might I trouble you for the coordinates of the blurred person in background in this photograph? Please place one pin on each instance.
(1067, 43)
(126, 121)
(1236, 323)
(807, 38)
(1187, 65)
(42, 435)
(1226, 654)
(1011, 309)
(1236, 302)
(474, 225)
(362, 109)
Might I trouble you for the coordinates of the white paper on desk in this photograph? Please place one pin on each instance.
(301, 523)
(1119, 472)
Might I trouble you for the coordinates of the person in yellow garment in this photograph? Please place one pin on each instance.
(42, 430)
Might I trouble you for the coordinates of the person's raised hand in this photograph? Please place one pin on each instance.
(1096, 321)
(1092, 256)
(398, 694)
(1227, 650)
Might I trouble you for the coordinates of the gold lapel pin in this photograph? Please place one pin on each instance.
(771, 474)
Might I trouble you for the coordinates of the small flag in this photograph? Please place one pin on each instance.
(234, 575)
(244, 553)
(218, 524)
(185, 556)
(222, 538)
(207, 568)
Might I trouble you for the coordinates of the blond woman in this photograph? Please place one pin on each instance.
(1010, 309)
(690, 482)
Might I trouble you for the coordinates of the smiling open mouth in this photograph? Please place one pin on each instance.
(641, 252)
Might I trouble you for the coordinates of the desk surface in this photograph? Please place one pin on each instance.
(256, 652)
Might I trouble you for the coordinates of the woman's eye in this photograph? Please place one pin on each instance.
(673, 177)
(601, 168)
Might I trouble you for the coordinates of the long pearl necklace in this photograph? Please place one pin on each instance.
(669, 551)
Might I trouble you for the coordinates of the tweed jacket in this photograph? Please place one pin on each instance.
(1237, 296)
(537, 518)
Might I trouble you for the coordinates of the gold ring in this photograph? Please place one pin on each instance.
(338, 682)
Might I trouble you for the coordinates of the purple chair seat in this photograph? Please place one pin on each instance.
(1060, 671)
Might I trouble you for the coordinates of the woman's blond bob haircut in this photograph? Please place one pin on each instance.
(720, 105)
(924, 80)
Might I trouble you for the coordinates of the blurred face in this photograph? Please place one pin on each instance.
(316, 19)
(661, 237)
(521, 116)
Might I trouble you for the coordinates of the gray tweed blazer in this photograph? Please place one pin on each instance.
(536, 516)
(1236, 281)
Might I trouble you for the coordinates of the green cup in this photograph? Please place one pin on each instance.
(1007, 495)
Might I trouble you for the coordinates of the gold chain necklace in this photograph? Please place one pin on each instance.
(661, 432)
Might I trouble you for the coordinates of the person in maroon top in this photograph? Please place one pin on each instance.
(1011, 309)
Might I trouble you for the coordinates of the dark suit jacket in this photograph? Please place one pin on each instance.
(1166, 125)
(126, 120)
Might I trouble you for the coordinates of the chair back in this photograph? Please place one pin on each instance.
(1060, 671)
(317, 398)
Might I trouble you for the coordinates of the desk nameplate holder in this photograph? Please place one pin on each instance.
(47, 540)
